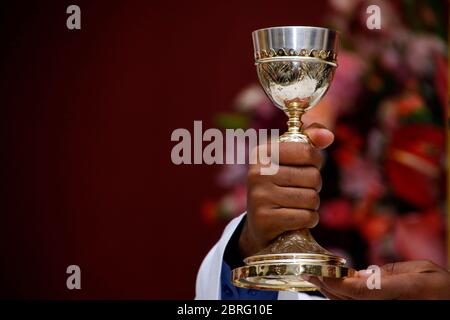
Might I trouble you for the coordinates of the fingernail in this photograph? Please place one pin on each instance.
(324, 131)
(365, 272)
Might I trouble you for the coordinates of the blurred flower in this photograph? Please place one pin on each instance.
(420, 52)
(410, 105)
(388, 115)
(346, 84)
(253, 99)
(374, 82)
(344, 6)
(233, 204)
(389, 18)
(231, 175)
(209, 211)
(428, 16)
(375, 227)
(361, 178)
(375, 144)
(390, 59)
(420, 236)
(413, 161)
(372, 44)
(381, 251)
(336, 214)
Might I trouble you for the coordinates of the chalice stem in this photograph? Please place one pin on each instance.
(295, 123)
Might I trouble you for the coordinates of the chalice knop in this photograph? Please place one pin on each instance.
(295, 66)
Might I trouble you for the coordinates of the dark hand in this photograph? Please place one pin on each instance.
(289, 199)
(400, 280)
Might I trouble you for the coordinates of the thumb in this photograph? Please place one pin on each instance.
(320, 136)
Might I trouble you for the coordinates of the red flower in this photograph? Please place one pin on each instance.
(336, 214)
(376, 227)
(350, 143)
(413, 163)
(409, 104)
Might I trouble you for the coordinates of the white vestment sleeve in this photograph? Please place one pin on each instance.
(208, 277)
(208, 286)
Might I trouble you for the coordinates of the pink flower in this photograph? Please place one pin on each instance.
(344, 6)
(391, 59)
(420, 53)
(361, 179)
(359, 175)
(232, 175)
(421, 236)
(346, 84)
(405, 54)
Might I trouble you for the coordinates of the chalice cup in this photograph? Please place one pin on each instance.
(295, 66)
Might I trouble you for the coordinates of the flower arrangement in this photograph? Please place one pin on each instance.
(384, 191)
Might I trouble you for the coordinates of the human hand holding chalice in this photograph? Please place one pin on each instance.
(295, 66)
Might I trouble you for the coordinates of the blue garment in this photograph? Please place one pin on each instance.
(230, 292)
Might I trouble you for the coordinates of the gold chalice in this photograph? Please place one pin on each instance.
(295, 67)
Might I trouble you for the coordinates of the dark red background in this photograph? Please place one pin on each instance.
(86, 119)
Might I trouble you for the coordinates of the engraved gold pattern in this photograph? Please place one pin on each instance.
(290, 52)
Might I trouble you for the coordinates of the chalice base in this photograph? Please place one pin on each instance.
(284, 272)
(282, 265)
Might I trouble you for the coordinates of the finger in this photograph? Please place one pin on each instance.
(400, 286)
(287, 219)
(323, 288)
(412, 285)
(352, 289)
(391, 287)
(408, 266)
(332, 296)
(299, 154)
(301, 177)
(298, 198)
(320, 136)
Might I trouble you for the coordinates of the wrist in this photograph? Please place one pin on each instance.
(246, 248)
(232, 255)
